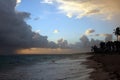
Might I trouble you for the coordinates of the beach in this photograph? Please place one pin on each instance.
(45, 67)
(87, 66)
(106, 66)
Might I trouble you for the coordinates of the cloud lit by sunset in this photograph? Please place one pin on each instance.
(81, 8)
(49, 25)
(59, 39)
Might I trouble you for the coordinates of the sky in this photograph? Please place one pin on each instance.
(75, 24)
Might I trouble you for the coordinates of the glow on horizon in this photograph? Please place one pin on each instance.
(76, 21)
(47, 51)
(56, 26)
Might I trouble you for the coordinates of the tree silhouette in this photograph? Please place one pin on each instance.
(117, 32)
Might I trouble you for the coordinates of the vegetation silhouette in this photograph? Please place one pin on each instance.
(117, 32)
(110, 46)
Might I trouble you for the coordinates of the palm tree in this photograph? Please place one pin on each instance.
(117, 32)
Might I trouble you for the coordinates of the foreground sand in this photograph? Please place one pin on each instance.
(106, 66)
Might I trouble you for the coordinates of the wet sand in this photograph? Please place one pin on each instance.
(106, 66)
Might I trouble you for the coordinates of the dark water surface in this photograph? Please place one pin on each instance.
(44, 67)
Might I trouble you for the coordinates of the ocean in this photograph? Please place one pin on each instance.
(44, 67)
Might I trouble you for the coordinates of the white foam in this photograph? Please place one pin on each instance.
(64, 69)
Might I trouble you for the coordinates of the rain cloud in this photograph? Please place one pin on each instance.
(15, 33)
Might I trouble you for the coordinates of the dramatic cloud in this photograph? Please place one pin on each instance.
(106, 9)
(89, 31)
(14, 32)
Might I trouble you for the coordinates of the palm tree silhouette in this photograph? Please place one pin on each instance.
(117, 32)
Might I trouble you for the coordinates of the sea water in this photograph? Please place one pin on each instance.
(44, 67)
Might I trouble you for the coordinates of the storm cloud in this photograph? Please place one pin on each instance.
(15, 33)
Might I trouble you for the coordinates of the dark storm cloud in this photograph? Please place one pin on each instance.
(14, 32)
(23, 15)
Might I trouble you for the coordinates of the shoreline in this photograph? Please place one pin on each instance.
(106, 66)
(64, 68)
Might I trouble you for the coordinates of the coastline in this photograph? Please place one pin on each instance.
(106, 66)
(48, 67)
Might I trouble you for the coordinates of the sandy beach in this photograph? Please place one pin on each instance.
(106, 66)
